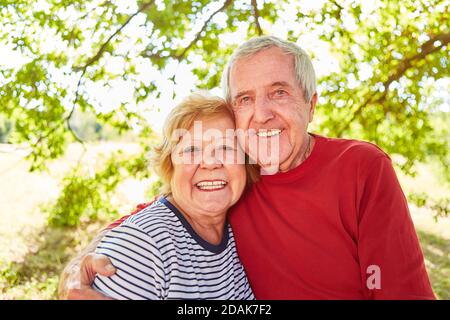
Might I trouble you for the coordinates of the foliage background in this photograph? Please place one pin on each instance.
(82, 82)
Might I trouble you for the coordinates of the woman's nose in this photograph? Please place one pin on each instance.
(211, 160)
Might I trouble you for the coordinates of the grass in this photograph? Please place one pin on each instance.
(437, 259)
(35, 275)
(32, 254)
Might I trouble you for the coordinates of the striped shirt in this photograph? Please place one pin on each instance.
(159, 256)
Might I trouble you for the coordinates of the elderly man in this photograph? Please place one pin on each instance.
(332, 223)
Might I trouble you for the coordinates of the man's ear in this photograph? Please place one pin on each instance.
(312, 106)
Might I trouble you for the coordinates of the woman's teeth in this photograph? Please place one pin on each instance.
(211, 185)
(268, 133)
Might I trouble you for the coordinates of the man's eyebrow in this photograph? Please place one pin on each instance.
(280, 84)
(240, 94)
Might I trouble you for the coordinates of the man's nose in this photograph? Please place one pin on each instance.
(263, 110)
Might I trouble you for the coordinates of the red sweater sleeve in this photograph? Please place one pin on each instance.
(391, 260)
(139, 207)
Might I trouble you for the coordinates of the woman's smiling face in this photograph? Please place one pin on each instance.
(208, 179)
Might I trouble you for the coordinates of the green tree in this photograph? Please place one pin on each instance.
(390, 58)
(390, 55)
(5, 129)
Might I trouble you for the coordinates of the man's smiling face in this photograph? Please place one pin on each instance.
(267, 98)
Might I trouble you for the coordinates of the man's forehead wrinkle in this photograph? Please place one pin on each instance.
(278, 83)
(261, 70)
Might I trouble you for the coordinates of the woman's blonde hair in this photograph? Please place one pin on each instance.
(195, 107)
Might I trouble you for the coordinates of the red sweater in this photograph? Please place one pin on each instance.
(335, 227)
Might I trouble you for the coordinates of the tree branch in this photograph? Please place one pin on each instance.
(84, 16)
(205, 24)
(67, 119)
(96, 57)
(102, 49)
(83, 69)
(256, 15)
(425, 49)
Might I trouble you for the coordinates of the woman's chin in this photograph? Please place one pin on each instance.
(213, 201)
(209, 204)
(215, 209)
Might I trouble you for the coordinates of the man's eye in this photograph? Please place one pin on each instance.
(280, 92)
(244, 100)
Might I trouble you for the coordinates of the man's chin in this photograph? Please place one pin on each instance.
(269, 170)
(270, 165)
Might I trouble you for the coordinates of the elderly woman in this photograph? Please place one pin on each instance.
(182, 247)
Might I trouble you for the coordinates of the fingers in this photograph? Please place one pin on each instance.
(102, 265)
(80, 279)
(93, 264)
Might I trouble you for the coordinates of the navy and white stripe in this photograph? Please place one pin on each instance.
(159, 256)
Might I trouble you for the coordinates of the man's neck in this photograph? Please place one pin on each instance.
(304, 154)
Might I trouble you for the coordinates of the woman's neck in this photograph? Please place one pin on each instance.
(210, 228)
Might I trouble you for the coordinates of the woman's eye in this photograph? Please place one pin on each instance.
(190, 149)
(227, 148)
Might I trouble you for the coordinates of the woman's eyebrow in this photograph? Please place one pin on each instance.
(190, 142)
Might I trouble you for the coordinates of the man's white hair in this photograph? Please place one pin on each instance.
(304, 70)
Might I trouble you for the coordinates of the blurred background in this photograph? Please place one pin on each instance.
(86, 84)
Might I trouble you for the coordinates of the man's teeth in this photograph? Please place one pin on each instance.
(211, 185)
(268, 133)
